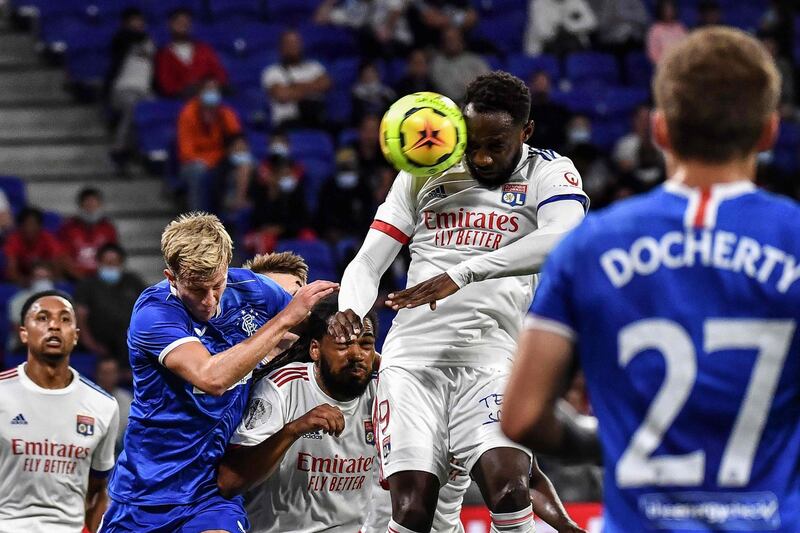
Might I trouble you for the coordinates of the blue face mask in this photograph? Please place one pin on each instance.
(110, 275)
(241, 158)
(210, 98)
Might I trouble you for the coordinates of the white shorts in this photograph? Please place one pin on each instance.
(426, 417)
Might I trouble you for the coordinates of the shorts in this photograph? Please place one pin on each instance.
(214, 512)
(426, 417)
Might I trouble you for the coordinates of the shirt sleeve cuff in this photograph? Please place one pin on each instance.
(174, 344)
(100, 474)
(548, 324)
(460, 274)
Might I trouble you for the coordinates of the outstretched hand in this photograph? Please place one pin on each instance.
(427, 292)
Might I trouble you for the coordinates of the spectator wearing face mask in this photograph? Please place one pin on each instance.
(349, 206)
(370, 95)
(241, 163)
(82, 235)
(640, 163)
(104, 303)
(183, 64)
(42, 279)
(205, 129)
(276, 194)
(598, 181)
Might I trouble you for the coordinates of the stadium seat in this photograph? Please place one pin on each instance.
(159, 10)
(606, 132)
(638, 69)
(52, 221)
(592, 67)
(328, 42)
(235, 10)
(385, 317)
(339, 105)
(344, 71)
(317, 254)
(318, 170)
(490, 7)
(251, 105)
(523, 66)
(245, 38)
(257, 141)
(291, 12)
(156, 123)
(503, 31)
(305, 144)
(14, 189)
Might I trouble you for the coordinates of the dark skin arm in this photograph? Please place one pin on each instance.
(547, 505)
(244, 467)
(96, 502)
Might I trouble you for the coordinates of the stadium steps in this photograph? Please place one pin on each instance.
(58, 147)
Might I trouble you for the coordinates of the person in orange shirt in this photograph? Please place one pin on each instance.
(206, 127)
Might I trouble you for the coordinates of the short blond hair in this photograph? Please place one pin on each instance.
(717, 90)
(279, 263)
(196, 246)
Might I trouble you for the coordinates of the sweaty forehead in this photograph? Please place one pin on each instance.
(487, 124)
(51, 304)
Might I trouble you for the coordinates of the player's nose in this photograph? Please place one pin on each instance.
(482, 159)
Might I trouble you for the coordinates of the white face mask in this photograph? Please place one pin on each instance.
(287, 183)
(39, 285)
(347, 179)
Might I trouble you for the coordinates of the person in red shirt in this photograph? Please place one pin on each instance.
(29, 244)
(185, 62)
(84, 234)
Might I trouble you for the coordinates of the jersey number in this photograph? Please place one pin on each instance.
(771, 338)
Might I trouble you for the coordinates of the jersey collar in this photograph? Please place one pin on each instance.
(312, 378)
(29, 384)
(524, 155)
(722, 190)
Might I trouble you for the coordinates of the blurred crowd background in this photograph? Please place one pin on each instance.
(117, 114)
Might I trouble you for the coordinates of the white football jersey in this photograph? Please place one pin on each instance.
(450, 218)
(323, 483)
(50, 440)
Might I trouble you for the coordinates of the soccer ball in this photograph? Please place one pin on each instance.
(423, 133)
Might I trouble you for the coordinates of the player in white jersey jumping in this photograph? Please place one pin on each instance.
(479, 231)
(57, 429)
(305, 449)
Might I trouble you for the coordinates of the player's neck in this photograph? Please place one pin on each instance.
(48, 374)
(698, 174)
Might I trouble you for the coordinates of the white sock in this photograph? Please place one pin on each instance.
(394, 527)
(516, 522)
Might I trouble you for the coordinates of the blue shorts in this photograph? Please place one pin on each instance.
(214, 512)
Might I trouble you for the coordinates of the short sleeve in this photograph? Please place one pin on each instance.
(396, 216)
(557, 179)
(315, 70)
(157, 328)
(275, 297)
(553, 307)
(103, 456)
(272, 75)
(264, 416)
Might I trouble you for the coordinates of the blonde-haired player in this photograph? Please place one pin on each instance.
(194, 341)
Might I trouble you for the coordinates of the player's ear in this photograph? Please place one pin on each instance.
(769, 134)
(313, 350)
(169, 275)
(527, 130)
(23, 335)
(660, 132)
(77, 334)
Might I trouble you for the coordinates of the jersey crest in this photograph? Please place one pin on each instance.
(514, 194)
(85, 425)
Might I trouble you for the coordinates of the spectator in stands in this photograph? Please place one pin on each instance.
(108, 377)
(778, 21)
(430, 18)
(129, 79)
(183, 64)
(6, 215)
(370, 95)
(373, 168)
(453, 67)
(296, 86)
(621, 25)
(598, 181)
(82, 235)
(382, 25)
(549, 118)
(279, 204)
(709, 13)
(30, 244)
(787, 106)
(242, 167)
(558, 26)
(639, 162)
(42, 279)
(104, 302)
(416, 78)
(349, 205)
(205, 128)
(666, 31)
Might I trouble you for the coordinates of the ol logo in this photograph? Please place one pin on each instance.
(249, 325)
(369, 432)
(85, 425)
(514, 194)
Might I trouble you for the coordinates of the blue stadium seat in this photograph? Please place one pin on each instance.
(385, 317)
(638, 69)
(7, 292)
(52, 221)
(156, 125)
(159, 10)
(501, 6)
(592, 67)
(305, 144)
(251, 105)
(291, 12)
(235, 10)
(621, 101)
(317, 254)
(344, 71)
(245, 38)
(257, 141)
(318, 170)
(87, 66)
(14, 189)
(244, 71)
(328, 42)
(605, 133)
(504, 31)
(788, 136)
(161, 111)
(339, 105)
(523, 66)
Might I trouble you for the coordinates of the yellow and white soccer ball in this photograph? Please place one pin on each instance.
(423, 133)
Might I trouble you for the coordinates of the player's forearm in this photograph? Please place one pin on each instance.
(524, 256)
(227, 368)
(359, 287)
(96, 505)
(245, 467)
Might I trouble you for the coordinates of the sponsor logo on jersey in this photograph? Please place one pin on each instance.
(369, 432)
(200, 332)
(19, 420)
(514, 194)
(571, 178)
(437, 193)
(85, 425)
(249, 324)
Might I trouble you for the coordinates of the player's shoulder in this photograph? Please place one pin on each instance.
(290, 375)
(158, 299)
(96, 395)
(9, 378)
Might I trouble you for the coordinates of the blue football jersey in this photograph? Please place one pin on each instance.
(176, 433)
(683, 304)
